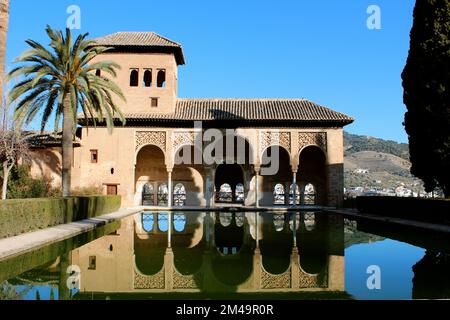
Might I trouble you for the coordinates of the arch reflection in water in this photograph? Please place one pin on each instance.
(148, 221)
(179, 221)
(142, 262)
(229, 232)
(163, 221)
(309, 220)
(279, 222)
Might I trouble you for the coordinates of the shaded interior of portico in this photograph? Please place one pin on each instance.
(237, 178)
(312, 176)
(234, 158)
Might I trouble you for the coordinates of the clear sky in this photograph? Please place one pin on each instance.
(320, 50)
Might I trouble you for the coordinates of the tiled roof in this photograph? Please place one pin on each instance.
(38, 139)
(141, 40)
(248, 110)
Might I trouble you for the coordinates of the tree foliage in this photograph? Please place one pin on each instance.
(63, 79)
(426, 83)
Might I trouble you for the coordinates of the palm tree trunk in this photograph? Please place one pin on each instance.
(6, 171)
(67, 146)
(4, 20)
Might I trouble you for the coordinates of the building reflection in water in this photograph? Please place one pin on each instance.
(216, 252)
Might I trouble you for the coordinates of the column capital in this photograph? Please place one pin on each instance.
(169, 169)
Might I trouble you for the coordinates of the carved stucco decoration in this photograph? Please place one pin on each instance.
(156, 281)
(157, 138)
(182, 139)
(312, 138)
(272, 281)
(312, 280)
(186, 281)
(276, 138)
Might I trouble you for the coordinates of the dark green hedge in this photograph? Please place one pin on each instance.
(26, 215)
(426, 210)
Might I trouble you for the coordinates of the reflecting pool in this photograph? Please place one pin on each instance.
(292, 255)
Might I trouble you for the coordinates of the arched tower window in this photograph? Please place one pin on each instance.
(278, 194)
(134, 78)
(179, 195)
(225, 193)
(98, 73)
(161, 79)
(239, 193)
(148, 78)
(309, 194)
(147, 195)
(297, 194)
(163, 193)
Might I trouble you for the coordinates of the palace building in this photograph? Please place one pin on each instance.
(140, 161)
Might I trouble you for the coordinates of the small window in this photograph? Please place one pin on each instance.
(134, 78)
(154, 102)
(98, 73)
(148, 78)
(161, 81)
(92, 263)
(111, 190)
(94, 156)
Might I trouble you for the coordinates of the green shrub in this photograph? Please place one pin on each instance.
(26, 215)
(22, 186)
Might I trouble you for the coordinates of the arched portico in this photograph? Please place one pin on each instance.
(312, 176)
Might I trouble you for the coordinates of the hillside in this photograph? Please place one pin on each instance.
(373, 163)
(354, 143)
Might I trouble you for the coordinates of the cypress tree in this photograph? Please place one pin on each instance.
(426, 83)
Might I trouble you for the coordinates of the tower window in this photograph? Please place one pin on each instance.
(134, 78)
(148, 78)
(98, 73)
(94, 156)
(154, 102)
(161, 81)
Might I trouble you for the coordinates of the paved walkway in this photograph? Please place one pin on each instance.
(352, 213)
(21, 244)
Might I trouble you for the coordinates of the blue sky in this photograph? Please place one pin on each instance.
(320, 50)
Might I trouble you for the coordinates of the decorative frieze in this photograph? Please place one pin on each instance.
(182, 138)
(312, 138)
(157, 138)
(185, 281)
(308, 281)
(282, 139)
(275, 281)
(156, 281)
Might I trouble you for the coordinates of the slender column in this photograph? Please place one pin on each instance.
(294, 186)
(169, 184)
(294, 225)
(208, 194)
(257, 230)
(257, 187)
(169, 230)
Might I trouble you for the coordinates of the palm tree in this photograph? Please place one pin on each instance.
(4, 20)
(62, 80)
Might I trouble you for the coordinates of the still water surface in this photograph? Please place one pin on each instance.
(304, 255)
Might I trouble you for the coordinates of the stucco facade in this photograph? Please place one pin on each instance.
(139, 160)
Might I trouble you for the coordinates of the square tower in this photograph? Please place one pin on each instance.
(149, 70)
